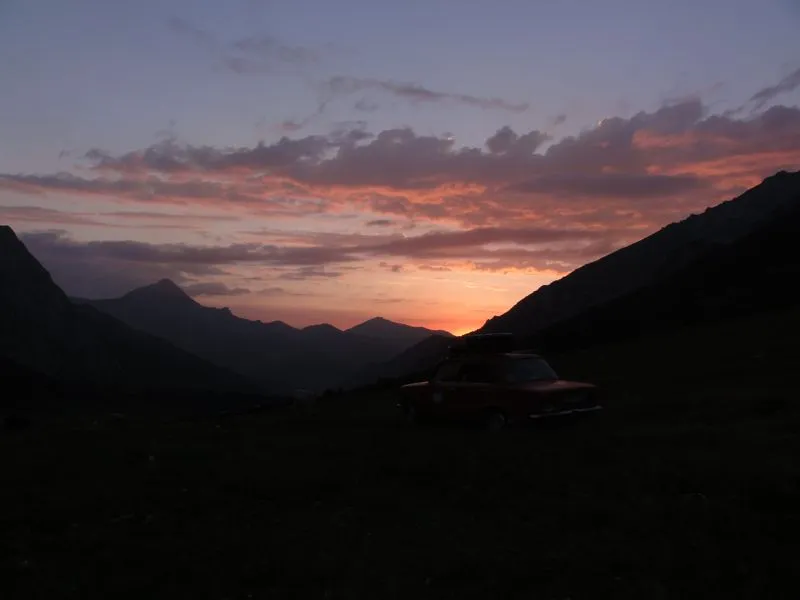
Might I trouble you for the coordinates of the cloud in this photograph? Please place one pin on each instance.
(266, 54)
(786, 85)
(268, 48)
(345, 85)
(310, 273)
(617, 180)
(160, 190)
(506, 141)
(394, 268)
(365, 105)
(36, 214)
(255, 54)
(613, 185)
(472, 242)
(112, 219)
(87, 272)
(146, 262)
(187, 258)
(213, 288)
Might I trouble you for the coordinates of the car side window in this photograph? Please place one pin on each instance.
(449, 371)
(479, 372)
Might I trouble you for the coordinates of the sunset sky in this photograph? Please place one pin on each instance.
(429, 161)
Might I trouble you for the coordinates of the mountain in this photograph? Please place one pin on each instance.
(40, 329)
(755, 274)
(279, 357)
(651, 259)
(381, 328)
(739, 258)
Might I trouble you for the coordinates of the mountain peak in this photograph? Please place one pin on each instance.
(321, 326)
(20, 270)
(382, 327)
(167, 285)
(377, 320)
(163, 290)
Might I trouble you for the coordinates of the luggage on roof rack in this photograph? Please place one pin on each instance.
(483, 343)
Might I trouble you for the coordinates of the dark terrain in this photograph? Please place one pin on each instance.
(686, 486)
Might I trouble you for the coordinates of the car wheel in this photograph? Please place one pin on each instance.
(495, 420)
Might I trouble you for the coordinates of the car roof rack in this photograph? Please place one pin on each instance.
(483, 343)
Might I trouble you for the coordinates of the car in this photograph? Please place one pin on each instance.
(485, 380)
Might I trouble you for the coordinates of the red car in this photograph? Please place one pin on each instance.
(495, 388)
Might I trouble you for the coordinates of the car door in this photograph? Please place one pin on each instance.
(444, 388)
(470, 395)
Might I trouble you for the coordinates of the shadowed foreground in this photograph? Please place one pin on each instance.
(688, 486)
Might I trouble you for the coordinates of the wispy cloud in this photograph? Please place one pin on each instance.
(786, 85)
(416, 93)
(266, 54)
(262, 53)
(109, 219)
(310, 273)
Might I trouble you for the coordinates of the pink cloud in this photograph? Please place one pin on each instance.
(618, 180)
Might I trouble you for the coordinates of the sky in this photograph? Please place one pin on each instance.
(432, 162)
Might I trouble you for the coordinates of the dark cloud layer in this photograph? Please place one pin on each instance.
(613, 185)
(108, 268)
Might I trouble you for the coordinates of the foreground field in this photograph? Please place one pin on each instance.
(687, 487)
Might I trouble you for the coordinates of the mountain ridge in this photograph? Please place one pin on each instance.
(278, 356)
(41, 329)
(657, 255)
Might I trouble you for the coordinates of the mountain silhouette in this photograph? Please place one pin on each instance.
(381, 328)
(738, 258)
(755, 274)
(649, 260)
(42, 330)
(279, 357)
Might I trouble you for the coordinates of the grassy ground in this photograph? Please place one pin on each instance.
(689, 486)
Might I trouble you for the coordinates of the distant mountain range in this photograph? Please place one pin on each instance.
(737, 258)
(278, 357)
(42, 331)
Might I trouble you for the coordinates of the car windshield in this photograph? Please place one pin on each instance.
(521, 370)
